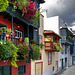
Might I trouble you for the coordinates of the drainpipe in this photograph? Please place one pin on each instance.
(12, 27)
(28, 31)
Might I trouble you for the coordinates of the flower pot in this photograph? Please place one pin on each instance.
(20, 39)
(7, 34)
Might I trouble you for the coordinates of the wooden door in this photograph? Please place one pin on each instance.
(38, 68)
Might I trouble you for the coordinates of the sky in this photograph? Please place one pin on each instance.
(65, 9)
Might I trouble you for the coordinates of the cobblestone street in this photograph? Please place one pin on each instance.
(69, 71)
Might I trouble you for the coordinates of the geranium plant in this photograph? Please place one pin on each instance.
(24, 50)
(7, 31)
(27, 7)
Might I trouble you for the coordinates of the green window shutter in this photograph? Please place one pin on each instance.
(21, 70)
(1, 70)
(7, 70)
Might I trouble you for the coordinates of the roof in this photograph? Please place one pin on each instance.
(51, 32)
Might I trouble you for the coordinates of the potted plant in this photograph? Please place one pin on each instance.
(7, 32)
(41, 45)
(57, 46)
(24, 49)
(8, 50)
(36, 51)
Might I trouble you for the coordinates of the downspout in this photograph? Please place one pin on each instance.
(12, 27)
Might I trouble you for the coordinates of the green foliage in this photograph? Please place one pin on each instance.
(36, 18)
(56, 45)
(33, 41)
(36, 51)
(24, 50)
(3, 5)
(8, 50)
(14, 55)
(8, 30)
(41, 45)
(21, 4)
(5, 50)
(0, 30)
(26, 40)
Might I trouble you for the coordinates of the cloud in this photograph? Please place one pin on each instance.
(63, 8)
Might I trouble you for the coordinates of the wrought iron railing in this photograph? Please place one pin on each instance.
(15, 41)
(49, 46)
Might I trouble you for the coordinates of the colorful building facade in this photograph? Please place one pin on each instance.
(47, 63)
(22, 28)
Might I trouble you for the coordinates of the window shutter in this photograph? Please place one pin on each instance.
(1, 73)
(36, 36)
(7, 70)
(21, 70)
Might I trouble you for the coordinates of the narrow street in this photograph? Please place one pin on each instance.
(69, 71)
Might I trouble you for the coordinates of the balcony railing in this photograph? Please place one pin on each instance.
(49, 46)
(66, 40)
(15, 41)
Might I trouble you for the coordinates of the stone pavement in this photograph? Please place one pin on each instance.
(69, 71)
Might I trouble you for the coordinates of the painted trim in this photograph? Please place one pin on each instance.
(41, 67)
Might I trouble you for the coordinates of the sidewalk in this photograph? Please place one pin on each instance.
(60, 72)
(69, 71)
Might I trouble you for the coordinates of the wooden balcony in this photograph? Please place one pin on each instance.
(49, 46)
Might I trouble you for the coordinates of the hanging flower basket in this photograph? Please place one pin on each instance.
(24, 51)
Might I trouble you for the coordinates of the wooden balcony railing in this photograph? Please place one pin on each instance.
(49, 46)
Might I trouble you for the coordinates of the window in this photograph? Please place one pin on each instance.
(49, 58)
(5, 70)
(40, 39)
(63, 48)
(18, 34)
(21, 70)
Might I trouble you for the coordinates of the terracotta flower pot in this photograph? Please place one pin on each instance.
(20, 39)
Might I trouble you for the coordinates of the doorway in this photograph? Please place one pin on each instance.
(62, 63)
(38, 68)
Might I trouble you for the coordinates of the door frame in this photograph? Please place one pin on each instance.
(41, 67)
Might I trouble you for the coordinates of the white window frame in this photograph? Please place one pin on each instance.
(20, 34)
